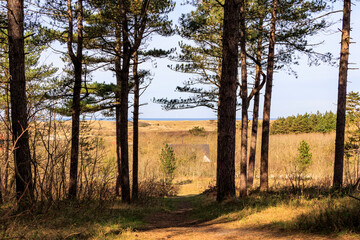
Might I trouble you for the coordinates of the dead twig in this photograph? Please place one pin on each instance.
(354, 197)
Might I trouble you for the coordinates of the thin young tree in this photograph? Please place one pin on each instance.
(120, 29)
(225, 178)
(290, 26)
(244, 103)
(341, 105)
(264, 182)
(19, 113)
(255, 118)
(76, 60)
(117, 64)
(135, 183)
(67, 28)
(127, 50)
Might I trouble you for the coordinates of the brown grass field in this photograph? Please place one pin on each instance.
(283, 149)
(315, 212)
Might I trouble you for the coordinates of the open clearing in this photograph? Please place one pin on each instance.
(196, 216)
(181, 223)
(191, 215)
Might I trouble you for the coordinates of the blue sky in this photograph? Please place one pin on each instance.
(314, 89)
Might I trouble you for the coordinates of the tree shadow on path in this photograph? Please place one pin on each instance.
(192, 218)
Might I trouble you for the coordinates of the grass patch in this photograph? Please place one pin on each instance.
(328, 216)
(319, 211)
(76, 220)
(206, 208)
(311, 210)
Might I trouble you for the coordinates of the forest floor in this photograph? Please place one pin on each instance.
(180, 223)
(281, 214)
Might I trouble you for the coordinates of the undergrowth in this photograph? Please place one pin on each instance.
(331, 217)
(314, 210)
(311, 210)
(76, 220)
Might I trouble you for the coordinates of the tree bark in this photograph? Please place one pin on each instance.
(254, 129)
(127, 51)
(19, 116)
(225, 180)
(125, 184)
(75, 109)
(264, 168)
(135, 188)
(118, 110)
(341, 105)
(244, 102)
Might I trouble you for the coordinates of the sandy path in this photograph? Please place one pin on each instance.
(177, 224)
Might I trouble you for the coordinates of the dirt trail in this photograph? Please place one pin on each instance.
(178, 224)
(180, 217)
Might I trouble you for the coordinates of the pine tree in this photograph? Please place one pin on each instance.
(225, 177)
(244, 103)
(264, 184)
(168, 163)
(19, 116)
(129, 22)
(304, 159)
(341, 105)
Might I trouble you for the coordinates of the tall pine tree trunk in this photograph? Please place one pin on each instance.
(254, 129)
(135, 188)
(341, 105)
(75, 109)
(125, 184)
(225, 180)
(19, 116)
(118, 110)
(264, 165)
(244, 102)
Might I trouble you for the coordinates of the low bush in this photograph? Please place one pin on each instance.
(152, 188)
(197, 131)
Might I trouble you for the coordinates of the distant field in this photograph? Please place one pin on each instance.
(155, 134)
(283, 149)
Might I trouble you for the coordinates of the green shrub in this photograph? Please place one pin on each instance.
(300, 166)
(197, 131)
(304, 158)
(306, 123)
(168, 163)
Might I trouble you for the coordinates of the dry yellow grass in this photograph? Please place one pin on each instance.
(283, 149)
(243, 223)
(155, 134)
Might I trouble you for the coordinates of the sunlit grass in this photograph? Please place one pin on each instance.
(309, 210)
(77, 220)
(312, 211)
